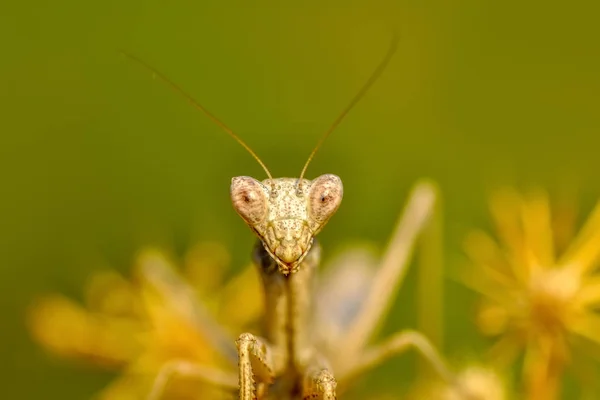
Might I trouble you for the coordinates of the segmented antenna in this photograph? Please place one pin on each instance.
(198, 106)
(372, 79)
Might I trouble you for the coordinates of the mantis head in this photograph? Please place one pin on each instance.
(287, 213)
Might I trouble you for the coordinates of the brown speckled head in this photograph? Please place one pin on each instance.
(287, 214)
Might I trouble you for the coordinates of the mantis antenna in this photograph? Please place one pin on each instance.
(372, 79)
(198, 106)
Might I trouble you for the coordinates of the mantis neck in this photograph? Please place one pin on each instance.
(288, 304)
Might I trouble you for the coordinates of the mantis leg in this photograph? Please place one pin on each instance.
(318, 382)
(394, 345)
(394, 264)
(226, 381)
(258, 364)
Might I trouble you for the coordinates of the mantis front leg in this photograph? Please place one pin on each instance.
(319, 382)
(258, 363)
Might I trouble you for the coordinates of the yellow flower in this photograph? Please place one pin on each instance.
(137, 326)
(473, 382)
(538, 299)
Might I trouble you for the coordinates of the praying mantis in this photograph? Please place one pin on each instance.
(297, 357)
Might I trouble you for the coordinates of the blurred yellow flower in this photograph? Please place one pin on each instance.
(473, 382)
(136, 327)
(540, 297)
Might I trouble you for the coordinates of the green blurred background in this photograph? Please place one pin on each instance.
(97, 159)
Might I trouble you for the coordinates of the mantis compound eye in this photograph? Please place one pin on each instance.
(249, 198)
(325, 197)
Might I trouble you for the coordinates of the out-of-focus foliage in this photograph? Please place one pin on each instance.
(98, 159)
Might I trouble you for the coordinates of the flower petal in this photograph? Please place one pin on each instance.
(505, 207)
(506, 349)
(584, 252)
(205, 265)
(587, 326)
(535, 213)
(588, 295)
(485, 253)
(69, 330)
(240, 302)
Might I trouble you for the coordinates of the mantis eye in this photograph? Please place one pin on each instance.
(249, 199)
(325, 196)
